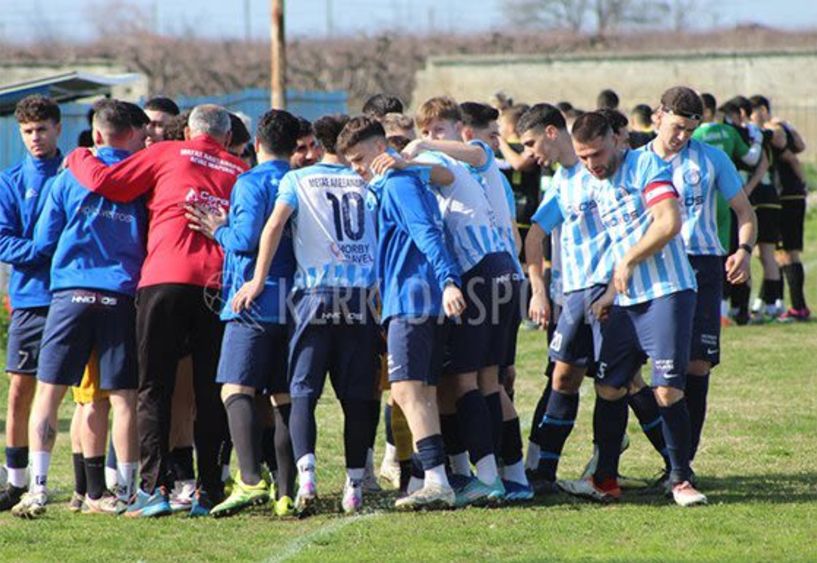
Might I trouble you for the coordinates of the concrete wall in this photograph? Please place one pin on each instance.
(786, 77)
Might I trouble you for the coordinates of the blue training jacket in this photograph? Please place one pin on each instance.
(23, 192)
(413, 261)
(95, 243)
(251, 204)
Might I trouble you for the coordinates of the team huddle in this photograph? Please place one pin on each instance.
(201, 285)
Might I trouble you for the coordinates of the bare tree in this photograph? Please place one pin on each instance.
(566, 14)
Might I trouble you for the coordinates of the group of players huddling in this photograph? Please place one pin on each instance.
(202, 287)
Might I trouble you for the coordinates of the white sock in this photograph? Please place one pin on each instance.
(306, 469)
(460, 464)
(355, 476)
(515, 473)
(486, 469)
(17, 476)
(39, 471)
(126, 476)
(225, 473)
(532, 457)
(390, 455)
(436, 476)
(415, 484)
(111, 478)
(757, 305)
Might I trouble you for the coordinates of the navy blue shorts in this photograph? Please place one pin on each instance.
(577, 338)
(415, 349)
(335, 335)
(82, 320)
(25, 337)
(480, 337)
(706, 326)
(660, 329)
(255, 355)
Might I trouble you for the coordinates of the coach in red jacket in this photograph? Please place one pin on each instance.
(181, 273)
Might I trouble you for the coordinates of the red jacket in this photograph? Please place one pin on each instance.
(170, 174)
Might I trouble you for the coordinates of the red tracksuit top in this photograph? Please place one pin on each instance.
(170, 174)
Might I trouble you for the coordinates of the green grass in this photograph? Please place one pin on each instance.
(756, 465)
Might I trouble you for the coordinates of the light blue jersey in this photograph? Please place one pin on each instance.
(698, 170)
(333, 229)
(642, 180)
(585, 246)
(471, 226)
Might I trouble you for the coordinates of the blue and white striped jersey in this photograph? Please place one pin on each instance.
(470, 223)
(333, 229)
(642, 180)
(557, 294)
(697, 171)
(585, 246)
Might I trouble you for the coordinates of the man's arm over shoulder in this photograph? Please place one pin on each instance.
(122, 182)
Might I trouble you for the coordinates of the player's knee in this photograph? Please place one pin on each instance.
(567, 379)
(229, 389)
(667, 396)
(280, 399)
(610, 393)
(699, 368)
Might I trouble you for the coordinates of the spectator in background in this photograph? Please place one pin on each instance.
(85, 138)
(607, 99)
(159, 110)
(641, 128)
(174, 128)
(380, 104)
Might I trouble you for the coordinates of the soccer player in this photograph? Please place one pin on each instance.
(648, 306)
(308, 151)
(641, 126)
(160, 111)
(98, 247)
(381, 104)
(181, 272)
(698, 172)
(254, 349)
(787, 144)
(23, 192)
(607, 99)
(334, 240)
(419, 281)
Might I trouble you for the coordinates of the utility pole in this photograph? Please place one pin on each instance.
(330, 23)
(247, 25)
(278, 58)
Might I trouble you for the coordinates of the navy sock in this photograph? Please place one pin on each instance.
(302, 426)
(609, 425)
(431, 451)
(356, 431)
(645, 408)
(80, 479)
(535, 434)
(795, 277)
(405, 473)
(181, 463)
(677, 435)
(282, 446)
(17, 457)
(475, 425)
(511, 442)
(494, 404)
(243, 422)
(95, 476)
(110, 461)
(450, 428)
(268, 447)
(387, 423)
(553, 428)
(696, 391)
(416, 467)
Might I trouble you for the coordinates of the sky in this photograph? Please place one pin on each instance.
(32, 20)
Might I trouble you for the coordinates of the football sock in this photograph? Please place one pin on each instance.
(554, 428)
(450, 430)
(80, 481)
(487, 470)
(95, 476)
(696, 391)
(475, 426)
(285, 459)
(460, 465)
(677, 435)
(306, 469)
(355, 475)
(302, 426)
(431, 455)
(374, 413)
(795, 277)
(494, 404)
(405, 474)
(356, 431)
(538, 414)
(387, 410)
(609, 425)
(242, 421)
(126, 477)
(40, 461)
(645, 408)
(416, 481)
(181, 461)
(16, 463)
(268, 445)
(513, 466)
(532, 456)
(110, 466)
(741, 294)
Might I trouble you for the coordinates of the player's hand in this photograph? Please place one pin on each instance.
(204, 221)
(601, 307)
(539, 308)
(453, 301)
(621, 276)
(413, 149)
(246, 295)
(738, 267)
(387, 161)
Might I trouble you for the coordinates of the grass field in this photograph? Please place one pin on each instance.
(757, 465)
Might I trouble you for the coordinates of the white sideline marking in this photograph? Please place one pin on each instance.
(301, 543)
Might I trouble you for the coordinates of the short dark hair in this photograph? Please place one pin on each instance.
(615, 118)
(359, 129)
(564, 107)
(643, 114)
(112, 115)
(540, 115)
(478, 115)
(327, 128)
(278, 132)
(240, 133)
(682, 101)
(37, 108)
(607, 99)
(758, 101)
(380, 104)
(590, 126)
(138, 118)
(709, 102)
(163, 104)
(304, 127)
(742, 103)
(174, 128)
